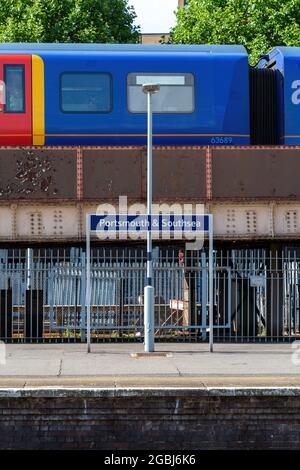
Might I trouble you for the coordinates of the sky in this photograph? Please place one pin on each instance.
(155, 16)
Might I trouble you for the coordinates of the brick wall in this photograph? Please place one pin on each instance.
(149, 419)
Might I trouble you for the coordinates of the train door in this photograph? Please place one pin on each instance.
(15, 100)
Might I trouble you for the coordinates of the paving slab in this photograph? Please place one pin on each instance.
(182, 364)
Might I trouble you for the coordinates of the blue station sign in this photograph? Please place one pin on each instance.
(156, 223)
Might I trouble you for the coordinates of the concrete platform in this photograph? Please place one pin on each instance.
(181, 365)
(183, 398)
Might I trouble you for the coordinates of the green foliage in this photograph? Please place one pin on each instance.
(257, 24)
(74, 21)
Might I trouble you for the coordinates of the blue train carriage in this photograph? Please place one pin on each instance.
(91, 94)
(286, 62)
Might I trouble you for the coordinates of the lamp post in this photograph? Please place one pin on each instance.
(149, 89)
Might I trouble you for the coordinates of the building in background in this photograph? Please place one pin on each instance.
(154, 38)
(157, 38)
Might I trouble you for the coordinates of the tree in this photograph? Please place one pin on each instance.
(257, 24)
(67, 21)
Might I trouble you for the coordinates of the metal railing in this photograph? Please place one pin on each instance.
(43, 295)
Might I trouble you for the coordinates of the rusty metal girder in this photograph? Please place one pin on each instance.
(185, 173)
(42, 174)
(260, 173)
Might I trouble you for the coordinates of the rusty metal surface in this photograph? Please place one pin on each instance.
(28, 173)
(79, 174)
(271, 173)
(177, 173)
(107, 174)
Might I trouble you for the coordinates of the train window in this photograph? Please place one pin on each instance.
(176, 93)
(89, 92)
(14, 88)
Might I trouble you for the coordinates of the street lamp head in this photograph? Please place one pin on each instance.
(151, 88)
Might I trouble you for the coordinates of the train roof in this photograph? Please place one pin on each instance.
(56, 47)
(286, 51)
